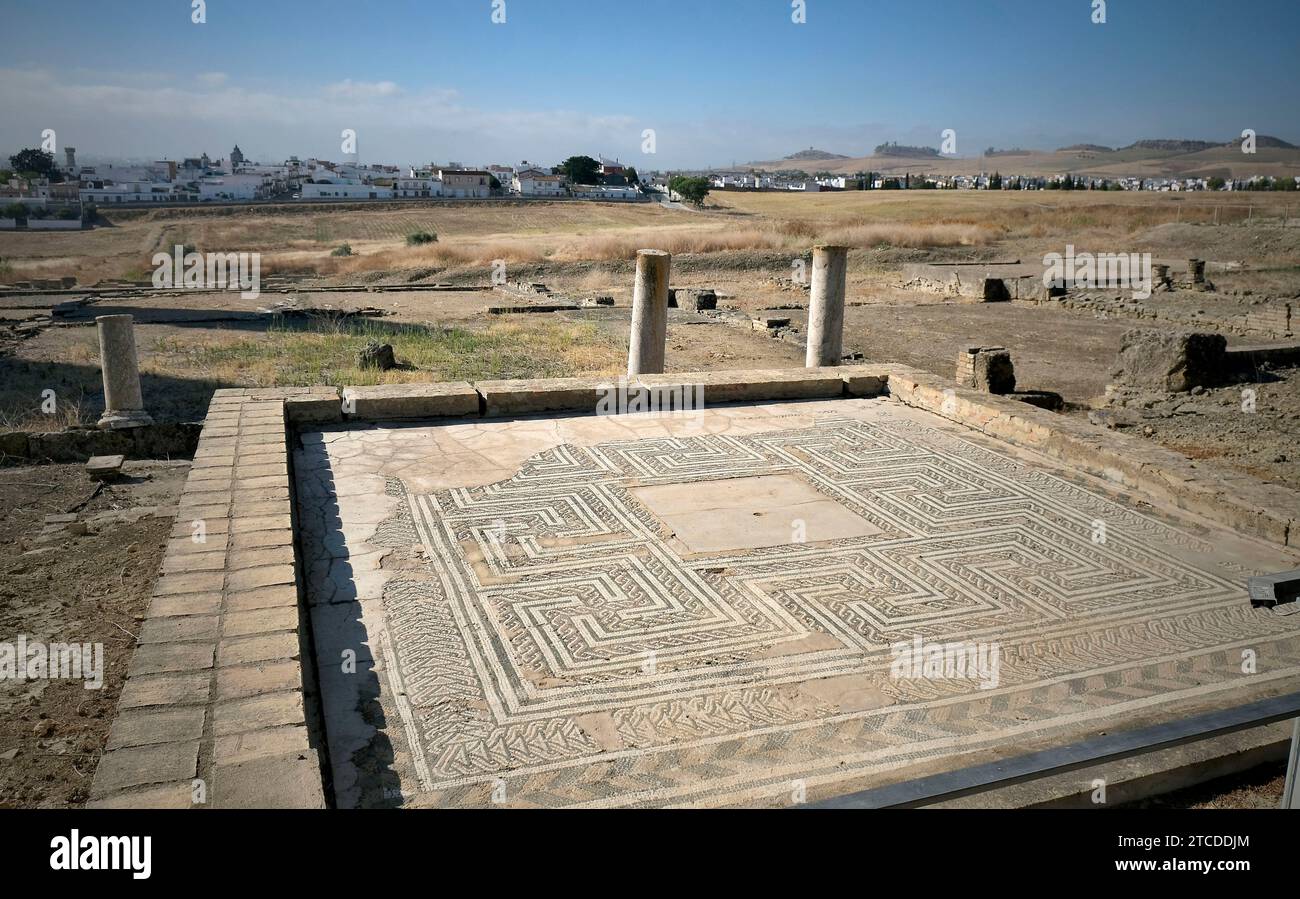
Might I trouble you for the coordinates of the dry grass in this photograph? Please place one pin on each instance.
(298, 240)
(713, 236)
(1007, 213)
(326, 353)
(179, 373)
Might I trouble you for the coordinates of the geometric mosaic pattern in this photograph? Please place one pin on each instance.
(553, 644)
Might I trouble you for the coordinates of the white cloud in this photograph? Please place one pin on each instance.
(125, 115)
(148, 115)
(352, 90)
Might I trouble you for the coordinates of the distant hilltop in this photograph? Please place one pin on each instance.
(1148, 158)
(1176, 146)
(1166, 145)
(814, 155)
(894, 149)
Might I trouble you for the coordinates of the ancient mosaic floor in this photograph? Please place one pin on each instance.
(700, 610)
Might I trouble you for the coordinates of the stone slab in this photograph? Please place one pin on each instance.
(402, 401)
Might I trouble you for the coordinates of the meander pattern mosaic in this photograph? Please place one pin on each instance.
(555, 643)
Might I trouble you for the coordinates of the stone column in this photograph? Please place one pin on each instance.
(826, 309)
(645, 354)
(1196, 271)
(123, 402)
(1159, 276)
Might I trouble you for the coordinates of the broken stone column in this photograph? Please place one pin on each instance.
(123, 401)
(826, 308)
(1160, 279)
(987, 368)
(645, 354)
(1196, 271)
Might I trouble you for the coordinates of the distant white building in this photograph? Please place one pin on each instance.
(413, 187)
(106, 192)
(504, 174)
(471, 184)
(340, 189)
(537, 183)
(733, 179)
(231, 187)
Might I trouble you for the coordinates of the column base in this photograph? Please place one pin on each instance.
(114, 420)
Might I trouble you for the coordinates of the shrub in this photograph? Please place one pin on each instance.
(343, 250)
(418, 238)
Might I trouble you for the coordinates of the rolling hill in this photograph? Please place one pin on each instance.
(1153, 158)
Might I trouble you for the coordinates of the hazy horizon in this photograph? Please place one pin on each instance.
(722, 83)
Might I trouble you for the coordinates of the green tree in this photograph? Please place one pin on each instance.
(632, 176)
(693, 190)
(581, 169)
(37, 162)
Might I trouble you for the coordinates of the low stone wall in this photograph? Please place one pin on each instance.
(158, 441)
(1274, 319)
(976, 282)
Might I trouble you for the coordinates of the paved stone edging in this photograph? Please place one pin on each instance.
(215, 701)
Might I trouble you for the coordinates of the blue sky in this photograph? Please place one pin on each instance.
(717, 80)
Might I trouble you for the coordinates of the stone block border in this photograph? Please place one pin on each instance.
(215, 711)
(220, 700)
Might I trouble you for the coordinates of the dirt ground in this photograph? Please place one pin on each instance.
(1258, 788)
(84, 588)
(1223, 425)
